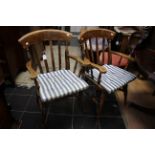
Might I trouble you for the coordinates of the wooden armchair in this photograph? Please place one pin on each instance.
(53, 80)
(103, 55)
(96, 46)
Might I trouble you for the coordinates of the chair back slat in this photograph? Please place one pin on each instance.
(97, 50)
(86, 50)
(67, 64)
(59, 57)
(45, 61)
(91, 51)
(109, 51)
(52, 56)
(75, 67)
(36, 56)
(103, 48)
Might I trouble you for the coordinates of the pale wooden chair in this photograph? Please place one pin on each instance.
(58, 81)
(96, 46)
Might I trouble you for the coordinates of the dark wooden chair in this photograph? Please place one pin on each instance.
(96, 46)
(145, 59)
(103, 56)
(55, 80)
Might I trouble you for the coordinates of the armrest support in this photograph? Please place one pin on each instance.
(32, 72)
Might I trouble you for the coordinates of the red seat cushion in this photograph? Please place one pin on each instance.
(116, 60)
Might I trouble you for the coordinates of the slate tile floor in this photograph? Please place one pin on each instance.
(69, 113)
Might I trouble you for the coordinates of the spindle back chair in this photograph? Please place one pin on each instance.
(94, 43)
(56, 81)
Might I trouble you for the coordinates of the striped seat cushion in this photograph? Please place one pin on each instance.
(58, 84)
(114, 78)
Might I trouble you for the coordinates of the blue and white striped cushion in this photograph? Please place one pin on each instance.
(114, 78)
(58, 84)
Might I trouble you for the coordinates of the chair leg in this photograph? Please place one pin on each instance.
(125, 89)
(41, 106)
(43, 110)
(100, 107)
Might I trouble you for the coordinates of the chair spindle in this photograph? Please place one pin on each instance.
(52, 55)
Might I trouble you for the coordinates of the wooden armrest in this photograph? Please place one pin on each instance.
(31, 70)
(84, 62)
(100, 68)
(123, 55)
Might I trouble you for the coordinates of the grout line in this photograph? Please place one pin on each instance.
(25, 108)
(85, 115)
(31, 112)
(8, 96)
(16, 94)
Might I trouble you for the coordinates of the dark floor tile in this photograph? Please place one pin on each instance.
(59, 122)
(32, 105)
(84, 122)
(110, 106)
(84, 106)
(63, 106)
(8, 98)
(24, 91)
(31, 121)
(112, 123)
(32, 91)
(110, 109)
(16, 115)
(9, 90)
(18, 102)
(71, 112)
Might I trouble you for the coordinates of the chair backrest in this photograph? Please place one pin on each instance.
(46, 47)
(95, 41)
